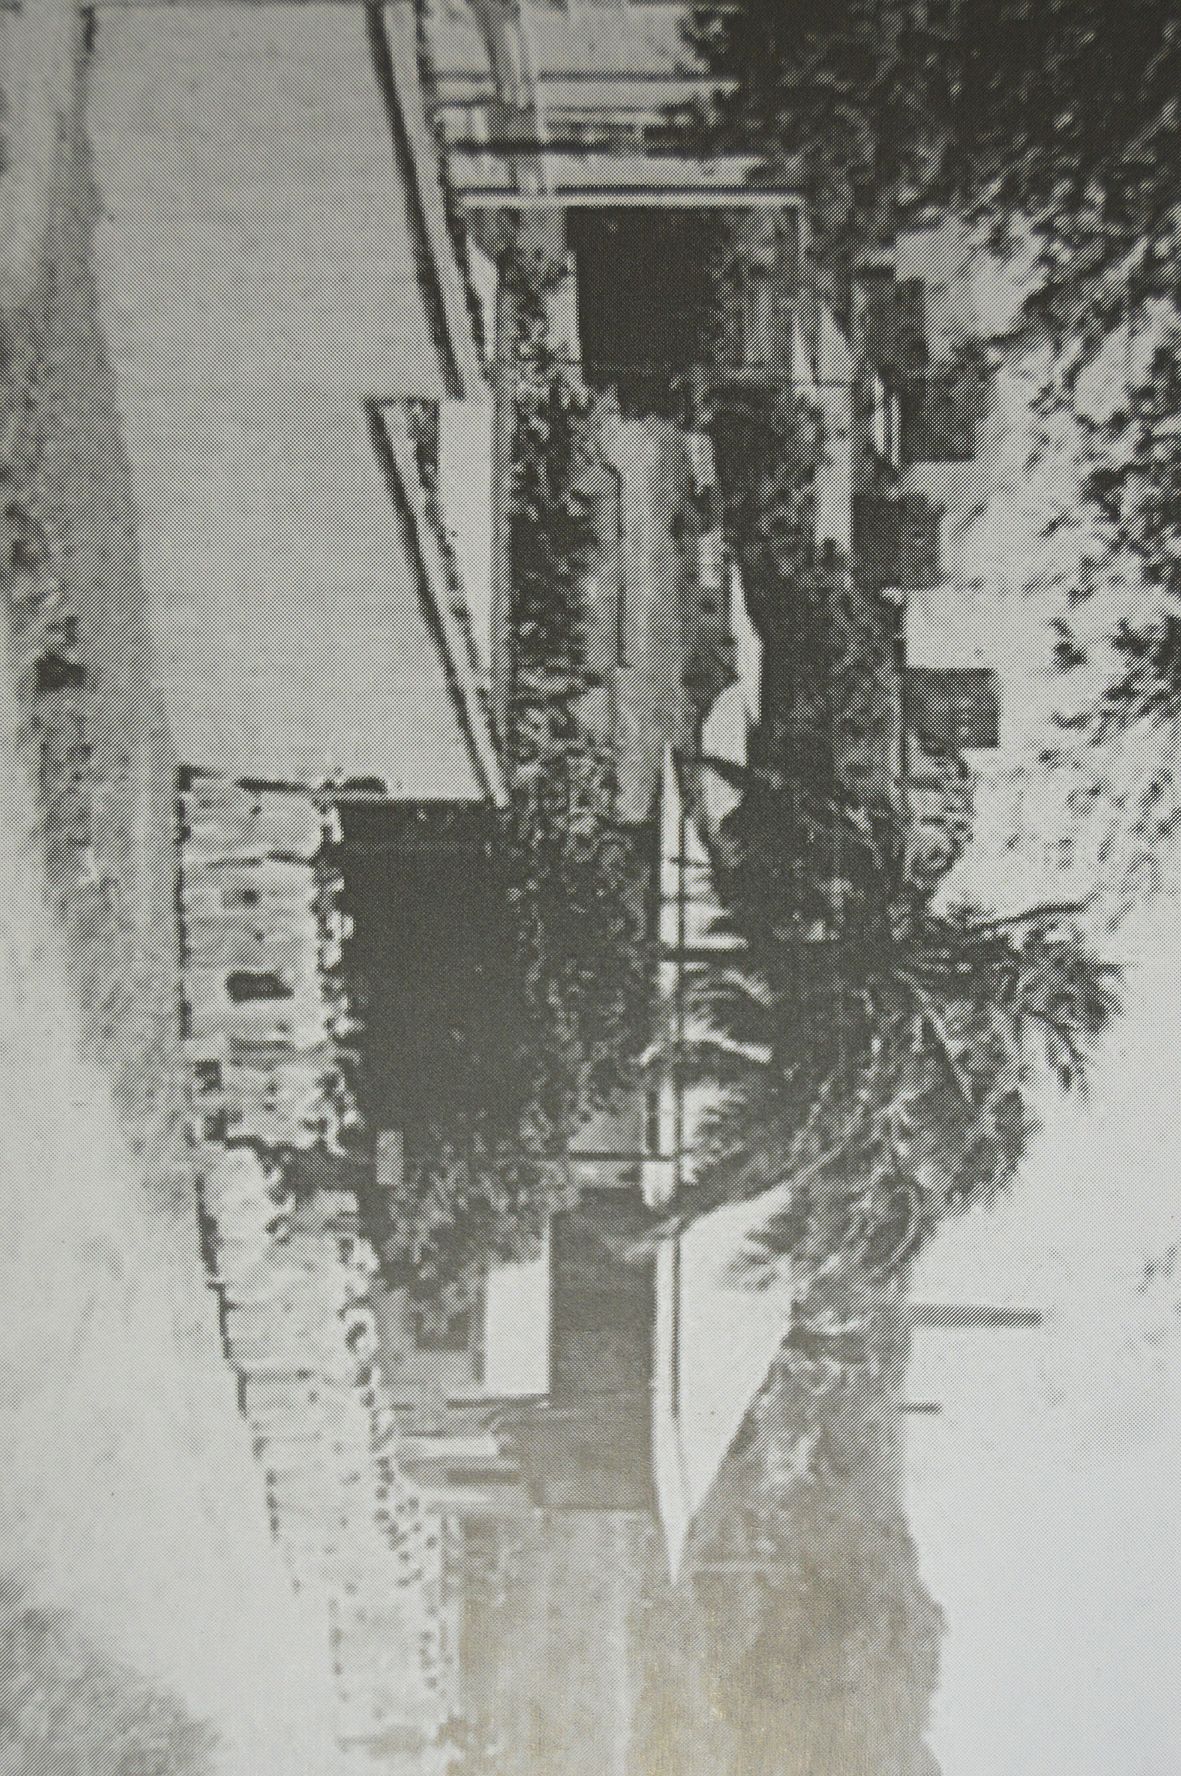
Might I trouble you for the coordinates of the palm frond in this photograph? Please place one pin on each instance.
(877, 1071)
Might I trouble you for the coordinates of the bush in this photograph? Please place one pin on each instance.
(65, 1705)
(572, 1010)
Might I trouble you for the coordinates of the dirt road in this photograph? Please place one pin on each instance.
(145, 1621)
(128, 1495)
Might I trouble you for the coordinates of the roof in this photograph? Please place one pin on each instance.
(259, 272)
(705, 1384)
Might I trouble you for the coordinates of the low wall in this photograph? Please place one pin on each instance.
(260, 938)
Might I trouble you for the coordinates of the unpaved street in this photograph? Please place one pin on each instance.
(128, 1496)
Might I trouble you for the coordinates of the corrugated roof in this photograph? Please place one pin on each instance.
(260, 281)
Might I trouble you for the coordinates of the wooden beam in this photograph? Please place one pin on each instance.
(956, 1316)
(391, 436)
(601, 195)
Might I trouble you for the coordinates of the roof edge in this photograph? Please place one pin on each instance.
(439, 593)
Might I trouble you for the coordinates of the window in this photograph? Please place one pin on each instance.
(951, 707)
(444, 1327)
(896, 541)
(942, 414)
(245, 986)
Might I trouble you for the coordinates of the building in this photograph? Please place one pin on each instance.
(288, 340)
(316, 390)
(559, 150)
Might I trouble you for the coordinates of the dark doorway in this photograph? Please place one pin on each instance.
(604, 1300)
(590, 1446)
(429, 965)
(646, 295)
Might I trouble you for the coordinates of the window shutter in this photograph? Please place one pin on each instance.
(877, 540)
(920, 564)
(875, 288)
(893, 322)
(953, 708)
(942, 414)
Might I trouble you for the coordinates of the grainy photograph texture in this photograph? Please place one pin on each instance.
(590, 978)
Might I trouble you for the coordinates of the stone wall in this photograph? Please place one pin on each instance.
(264, 1023)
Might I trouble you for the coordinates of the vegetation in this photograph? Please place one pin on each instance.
(878, 1058)
(1134, 486)
(65, 1705)
(464, 1202)
(769, 444)
(1053, 124)
(94, 734)
(799, 1638)
(815, 1483)
(577, 885)
(571, 1013)
(1044, 114)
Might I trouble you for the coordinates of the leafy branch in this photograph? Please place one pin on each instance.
(877, 1062)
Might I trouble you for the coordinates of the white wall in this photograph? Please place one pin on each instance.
(517, 1327)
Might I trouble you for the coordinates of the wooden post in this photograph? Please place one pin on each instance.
(961, 1316)
(503, 431)
(391, 1159)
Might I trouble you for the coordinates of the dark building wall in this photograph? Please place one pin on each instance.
(603, 1301)
(554, 1623)
(429, 962)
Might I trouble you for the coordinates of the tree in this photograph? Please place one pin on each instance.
(1054, 125)
(1056, 114)
(844, 96)
(1133, 483)
(877, 1058)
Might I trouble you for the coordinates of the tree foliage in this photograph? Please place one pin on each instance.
(475, 1196)
(768, 444)
(1134, 485)
(572, 1007)
(1058, 114)
(1055, 126)
(831, 689)
(577, 876)
(879, 1059)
